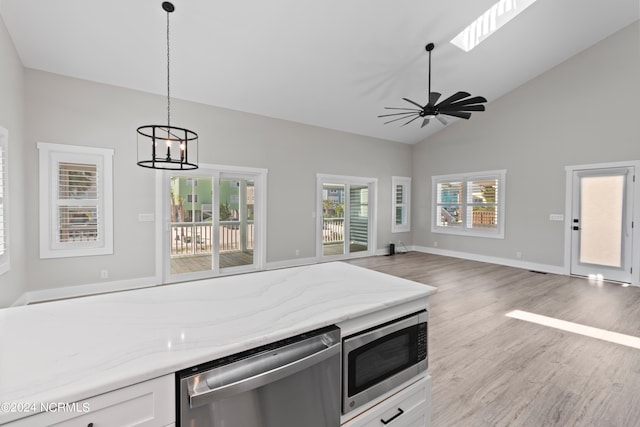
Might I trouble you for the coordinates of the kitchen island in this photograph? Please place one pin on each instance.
(67, 351)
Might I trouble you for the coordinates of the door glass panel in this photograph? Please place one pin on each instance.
(191, 201)
(358, 218)
(601, 220)
(333, 198)
(237, 228)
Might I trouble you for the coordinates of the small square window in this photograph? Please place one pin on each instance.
(401, 204)
(76, 199)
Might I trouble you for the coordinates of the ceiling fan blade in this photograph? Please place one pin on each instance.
(462, 108)
(433, 97)
(415, 118)
(406, 113)
(414, 103)
(400, 118)
(473, 100)
(455, 97)
(424, 123)
(460, 114)
(472, 108)
(407, 109)
(442, 120)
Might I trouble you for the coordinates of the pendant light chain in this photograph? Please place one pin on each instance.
(168, 86)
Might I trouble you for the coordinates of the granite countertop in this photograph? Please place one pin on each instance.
(69, 350)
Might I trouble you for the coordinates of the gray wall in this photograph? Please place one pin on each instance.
(71, 111)
(13, 283)
(583, 111)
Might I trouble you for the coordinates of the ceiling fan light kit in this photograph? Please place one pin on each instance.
(455, 106)
(166, 146)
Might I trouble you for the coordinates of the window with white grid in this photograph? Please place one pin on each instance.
(469, 204)
(76, 214)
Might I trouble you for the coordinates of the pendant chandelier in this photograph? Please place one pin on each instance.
(166, 146)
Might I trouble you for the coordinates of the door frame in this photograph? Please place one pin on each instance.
(635, 239)
(372, 183)
(259, 175)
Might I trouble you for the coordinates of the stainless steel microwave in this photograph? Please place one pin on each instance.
(379, 359)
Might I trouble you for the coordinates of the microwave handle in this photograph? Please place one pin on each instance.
(251, 382)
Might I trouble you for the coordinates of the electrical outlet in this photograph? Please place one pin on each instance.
(297, 252)
(104, 274)
(519, 255)
(435, 244)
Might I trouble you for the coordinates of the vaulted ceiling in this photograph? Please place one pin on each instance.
(329, 63)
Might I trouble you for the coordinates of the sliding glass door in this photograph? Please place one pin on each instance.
(214, 222)
(345, 220)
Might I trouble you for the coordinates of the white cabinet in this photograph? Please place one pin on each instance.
(410, 407)
(147, 404)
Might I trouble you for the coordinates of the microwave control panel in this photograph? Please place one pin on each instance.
(422, 341)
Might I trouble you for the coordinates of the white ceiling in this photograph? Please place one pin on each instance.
(329, 63)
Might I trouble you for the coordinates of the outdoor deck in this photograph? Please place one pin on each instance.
(201, 262)
(338, 248)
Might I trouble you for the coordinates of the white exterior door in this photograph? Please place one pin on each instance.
(602, 223)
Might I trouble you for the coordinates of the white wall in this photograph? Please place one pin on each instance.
(583, 111)
(13, 283)
(71, 111)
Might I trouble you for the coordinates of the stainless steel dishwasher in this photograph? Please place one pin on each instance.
(290, 383)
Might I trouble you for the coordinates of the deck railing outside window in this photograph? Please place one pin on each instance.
(333, 230)
(188, 238)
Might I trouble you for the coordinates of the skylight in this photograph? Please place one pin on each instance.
(490, 22)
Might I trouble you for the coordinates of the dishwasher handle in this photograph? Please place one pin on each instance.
(203, 394)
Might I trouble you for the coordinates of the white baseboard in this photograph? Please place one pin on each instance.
(32, 297)
(545, 268)
(296, 262)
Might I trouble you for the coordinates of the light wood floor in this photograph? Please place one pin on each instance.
(492, 370)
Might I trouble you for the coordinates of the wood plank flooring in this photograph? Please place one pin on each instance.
(492, 370)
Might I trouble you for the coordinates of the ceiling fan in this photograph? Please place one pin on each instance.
(456, 105)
